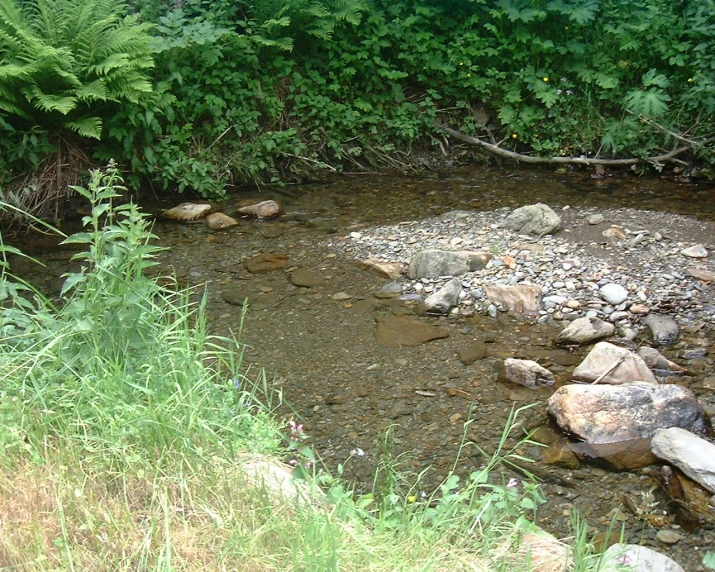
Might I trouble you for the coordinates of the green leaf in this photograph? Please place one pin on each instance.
(709, 560)
(651, 103)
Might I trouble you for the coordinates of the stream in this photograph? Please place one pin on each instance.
(361, 401)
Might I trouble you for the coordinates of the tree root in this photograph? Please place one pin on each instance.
(494, 148)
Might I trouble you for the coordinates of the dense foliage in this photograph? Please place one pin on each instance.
(270, 90)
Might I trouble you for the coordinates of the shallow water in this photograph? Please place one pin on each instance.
(345, 387)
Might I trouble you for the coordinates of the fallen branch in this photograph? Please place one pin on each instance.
(561, 160)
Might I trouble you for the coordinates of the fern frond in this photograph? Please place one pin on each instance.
(90, 127)
(49, 102)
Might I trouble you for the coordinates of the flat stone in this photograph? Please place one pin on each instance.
(393, 331)
(473, 352)
(584, 331)
(444, 299)
(596, 219)
(697, 251)
(522, 298)
(391, 270)
(186, 212)
(305, 278)
(266, 262)
(691, 454)
(701, 274)
(636, 558)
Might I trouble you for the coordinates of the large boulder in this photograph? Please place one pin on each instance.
(612, 365)
(522, 298)
(691, 454)
(538, 219)
(612, 413)
(584, 331)
(434, 262)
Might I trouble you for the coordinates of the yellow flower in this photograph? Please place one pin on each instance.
(469, 75)
(690, 80)
(461, 63)
(546, 79)
(514, 136)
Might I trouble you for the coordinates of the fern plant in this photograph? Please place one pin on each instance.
(63, 63)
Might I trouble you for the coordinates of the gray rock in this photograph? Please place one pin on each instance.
(655, 360)
(596, 219)
(697, 251)
(664, 329)
(636, 558)
(608, 413)
(432, 263)
(522, 298)
(701, 274)
(691, 454)
(613, 293)
(584, 331)
(613, 365)
(526, 372)
(538, 219)
(445, 298)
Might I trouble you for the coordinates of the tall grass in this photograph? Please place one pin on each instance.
(125, 428)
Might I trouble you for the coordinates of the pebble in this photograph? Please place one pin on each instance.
(668, 536)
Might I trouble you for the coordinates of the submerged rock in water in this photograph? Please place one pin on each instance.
(262, 211)
(220, 221)
(393, 331)
(664, 329)
(186, 212)
(266, 262)
(612, 413)
(610, 364)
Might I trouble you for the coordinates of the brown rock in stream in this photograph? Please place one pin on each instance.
(393, 331)
(266, 262)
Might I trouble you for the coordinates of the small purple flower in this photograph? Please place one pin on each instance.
(236, 383)
(512, 483)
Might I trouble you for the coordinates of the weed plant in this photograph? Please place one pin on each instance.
(124, 425)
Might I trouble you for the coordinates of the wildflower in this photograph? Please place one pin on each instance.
(558, 92)
(236, 383)
(514, 136)
(545, 78)
(461, 63)
(569, 92)
(358, 451)
(625, 559)
(690, 80)
(512, 483)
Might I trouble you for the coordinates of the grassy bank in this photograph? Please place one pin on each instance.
(131, 440)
